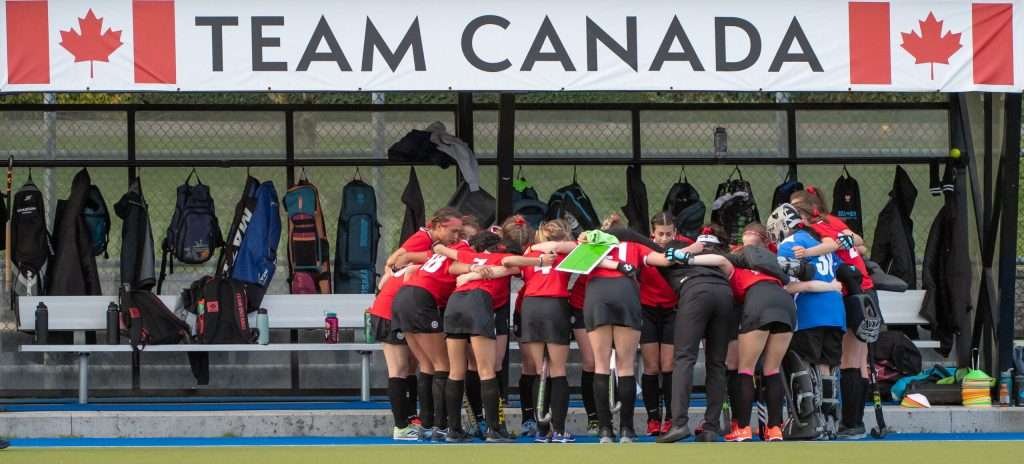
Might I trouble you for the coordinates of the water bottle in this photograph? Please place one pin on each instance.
(1018, 389)
(263, 324)
(368, 328)
(113, 324)
(331, 328)
(721, 140)
(42, 324)
(1005, 380)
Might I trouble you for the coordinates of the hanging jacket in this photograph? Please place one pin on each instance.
(74, 266)
(137, 255)
(635, 209)
(946, 273)
(893, 248)
(415, 211)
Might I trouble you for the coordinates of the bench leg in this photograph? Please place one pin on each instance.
(136, 370)
(83, 378)
(364, 383)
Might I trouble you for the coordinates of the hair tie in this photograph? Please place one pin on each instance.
(707, 231)
(519, 220)
(811, 189)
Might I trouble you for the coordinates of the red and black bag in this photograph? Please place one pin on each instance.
(148, 321)
(221, 308)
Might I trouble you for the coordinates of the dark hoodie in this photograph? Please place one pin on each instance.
(74, 266)
(893, 248)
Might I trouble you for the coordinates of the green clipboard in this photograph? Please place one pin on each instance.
(584, 258)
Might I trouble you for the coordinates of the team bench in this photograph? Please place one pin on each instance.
(80, 314)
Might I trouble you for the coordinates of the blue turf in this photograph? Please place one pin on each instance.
(352, 441)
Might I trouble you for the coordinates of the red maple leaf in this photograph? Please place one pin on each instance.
(90, 45)
(931, 46)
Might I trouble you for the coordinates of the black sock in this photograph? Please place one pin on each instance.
(731, 387)
(440, 412)
(490, 393)
(527, 401)
(652, 396)
(776, 393)
(858, 410)
(587, 391)
(604, 411)
(744, 401)
(502, 385)
(453, 391)
(627, 396)
(852, 398)
(411, 393)
(398, 399)
(425, 387)
(666, 393)
(473, 393)
(559, 403)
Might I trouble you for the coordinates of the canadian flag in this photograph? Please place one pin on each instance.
(35, 51)
(932, 42)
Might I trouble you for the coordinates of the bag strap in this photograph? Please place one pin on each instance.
(163, 271)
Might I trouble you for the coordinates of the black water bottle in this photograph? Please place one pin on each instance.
(42, 324)
(113, 324)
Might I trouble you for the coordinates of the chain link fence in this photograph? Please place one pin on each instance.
(325, 135)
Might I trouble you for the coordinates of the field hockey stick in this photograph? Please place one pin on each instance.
(613, 402)
(876, 396)
(544, 416)
(470, 416)
(10, 217)
(762, 409)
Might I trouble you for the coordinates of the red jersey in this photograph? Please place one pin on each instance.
(742, 279)
(499, 289)
(545, 281)
(654, 291)
(579, 292)
(382, 303)
(833, 227)
(417, 242)
(625, 252)
(433, 276)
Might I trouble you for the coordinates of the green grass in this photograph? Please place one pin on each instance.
(710, 453)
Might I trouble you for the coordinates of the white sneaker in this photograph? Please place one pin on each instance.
(410, 433)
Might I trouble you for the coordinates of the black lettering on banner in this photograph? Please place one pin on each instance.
(323, 33)
(675, 33)
(806, 55)
(722, 63)
(217, 24)
(467, 43)
(547, 33)
(259, 42)
(412, 39)
(627, 54)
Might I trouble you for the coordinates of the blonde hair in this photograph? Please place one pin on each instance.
(555, 230)
(612, 220)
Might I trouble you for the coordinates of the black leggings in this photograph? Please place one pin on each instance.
(705, 311)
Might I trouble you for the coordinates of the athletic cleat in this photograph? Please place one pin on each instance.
(773, 434)
(627, 435)
(740, 434)
(458, 436)
(415, 420)
(529, 428)
(665, 427)
(542, 438)
(4, 444)
(654, 427)
(563, 438)
(438, 435)
(606, 434)
(498, 436)
(409, 433)
(851, 433)
(481, 429)
(593, 427)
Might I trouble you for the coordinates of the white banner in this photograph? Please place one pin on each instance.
(525, 45)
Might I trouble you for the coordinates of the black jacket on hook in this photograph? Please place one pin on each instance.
(73, 270)
(636, 201)
(893, 247)
(137, 253)
(415, 211)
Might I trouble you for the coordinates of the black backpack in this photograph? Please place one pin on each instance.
(97, 221)
(194, 232)
(684, 205)
(735, 206)
(148, 321)
(846, 202)
(572, 204)
(527, 204)
(221, 307)
(355, 259)
(30, 239)
(786, 189)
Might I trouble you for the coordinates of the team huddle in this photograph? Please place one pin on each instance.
(443, 313)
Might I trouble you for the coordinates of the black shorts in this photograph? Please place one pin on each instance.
(612, 301)
(469, 314)
(577, 320)
(768, 306)
(658, 326)
(501, 324)
(382, 333)
(820, 345)
(546, 320)
(517, 324)
(415, 311)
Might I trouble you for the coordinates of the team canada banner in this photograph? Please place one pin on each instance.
(520, 45)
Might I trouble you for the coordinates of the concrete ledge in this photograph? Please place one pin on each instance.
(363, 423)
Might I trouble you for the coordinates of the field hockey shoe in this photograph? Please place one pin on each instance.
(498, 436)
(593, 427)
(851, 433)
(4, 444)
(606, 435)
(627, 435)
(529, 428)
(654, 427)
(481, 429)
(740, 434)
(563, 438)
(665, 426)
(409, 433)
(674, 434)
(773, 434)
(458, 436)
(542, 437)
(438, 435)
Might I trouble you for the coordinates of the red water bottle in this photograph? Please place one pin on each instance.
(331, 328)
